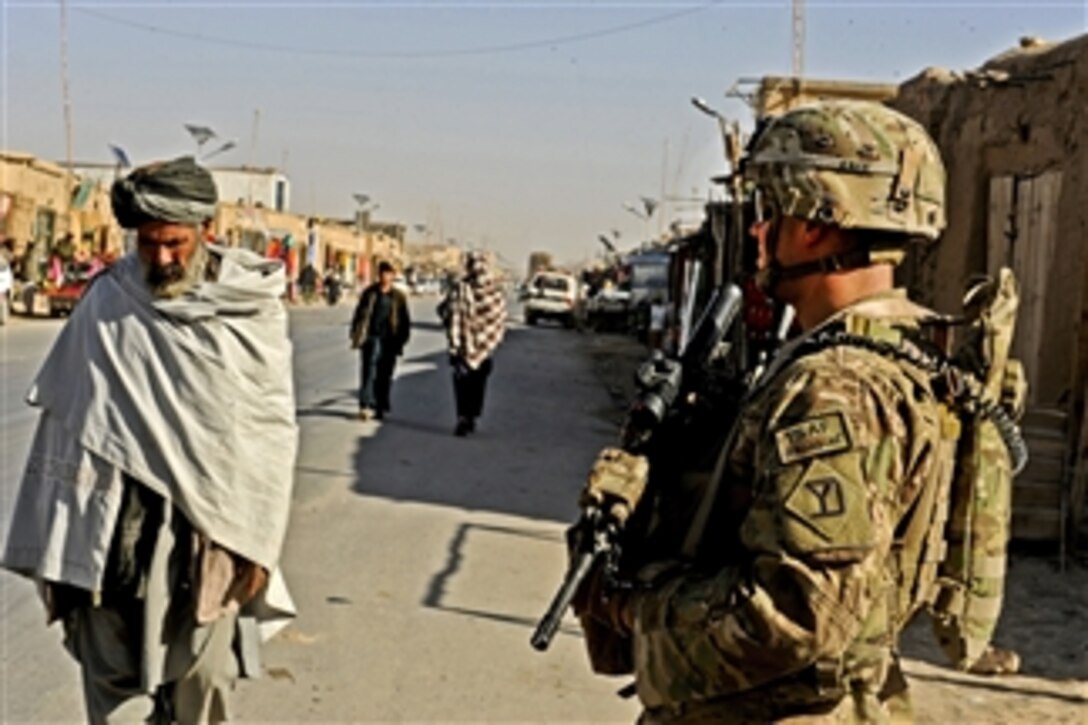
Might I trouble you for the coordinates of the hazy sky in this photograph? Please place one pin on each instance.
(520, 125)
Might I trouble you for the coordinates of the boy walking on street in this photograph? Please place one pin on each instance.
(380, 329)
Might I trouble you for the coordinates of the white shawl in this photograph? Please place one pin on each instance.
(192, 397)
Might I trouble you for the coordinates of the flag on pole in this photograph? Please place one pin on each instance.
(120, 156)
(200, 134)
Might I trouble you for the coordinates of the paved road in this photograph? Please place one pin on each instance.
(419, 561)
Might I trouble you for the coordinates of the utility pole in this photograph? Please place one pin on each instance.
(67, 100)
(253, 135)
(734, 149)
(798, 39)
(664, 175)
(252, 152)
(733, 143)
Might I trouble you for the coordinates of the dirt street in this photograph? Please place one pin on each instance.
(419, 561)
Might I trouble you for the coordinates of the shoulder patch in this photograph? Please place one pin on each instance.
(827, 508)
(818, 436)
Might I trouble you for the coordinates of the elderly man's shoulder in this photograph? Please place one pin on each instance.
(113, 272)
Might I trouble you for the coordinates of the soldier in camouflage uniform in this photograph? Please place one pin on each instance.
(787, 606)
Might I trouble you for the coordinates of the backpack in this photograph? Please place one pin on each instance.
(949, 555)
(969, 590)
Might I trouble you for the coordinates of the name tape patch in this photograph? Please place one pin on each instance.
(817, 436)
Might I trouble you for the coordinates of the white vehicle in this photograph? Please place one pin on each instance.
(429, 287)
(7, 281)
(608, 309)
(550, 296)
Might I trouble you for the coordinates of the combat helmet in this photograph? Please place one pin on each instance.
(854, 164)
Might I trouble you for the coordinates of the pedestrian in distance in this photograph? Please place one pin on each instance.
(821, 531)
(474, 313)
(307, 283)
(155, 499)
(659, 317)
(380, 329)
(332, 286)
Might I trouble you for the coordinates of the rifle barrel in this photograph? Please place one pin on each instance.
(714, 324)
(549, 623)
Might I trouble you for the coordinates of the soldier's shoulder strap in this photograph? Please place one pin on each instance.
(962, 389)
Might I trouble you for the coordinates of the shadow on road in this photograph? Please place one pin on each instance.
(978, 683)
(536, 440)
(1043, 608)
(341, 405)
(545, 417)
(438, 590)
(426, 325)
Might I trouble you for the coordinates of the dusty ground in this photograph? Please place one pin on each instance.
(1045, 619)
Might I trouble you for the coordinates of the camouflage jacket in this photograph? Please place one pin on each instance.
(832, 453)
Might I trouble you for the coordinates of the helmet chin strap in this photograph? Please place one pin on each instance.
(768, 279)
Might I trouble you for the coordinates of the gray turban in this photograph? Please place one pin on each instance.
(178, 191)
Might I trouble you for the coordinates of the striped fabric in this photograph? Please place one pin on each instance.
(477, 313)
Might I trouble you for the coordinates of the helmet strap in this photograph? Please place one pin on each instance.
(853, 259)
(769, 279)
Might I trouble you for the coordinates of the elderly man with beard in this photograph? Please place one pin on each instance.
(154, 503)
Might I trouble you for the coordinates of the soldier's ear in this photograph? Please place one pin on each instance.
(819, 236)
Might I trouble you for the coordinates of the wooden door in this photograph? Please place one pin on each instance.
(1021, 235)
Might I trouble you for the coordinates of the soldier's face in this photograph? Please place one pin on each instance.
(781, 239)
(788, 241)
(796, 241)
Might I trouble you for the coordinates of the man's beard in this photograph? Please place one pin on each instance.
(175, 279)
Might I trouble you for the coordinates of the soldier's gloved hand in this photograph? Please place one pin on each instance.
(616, 483)
(609, 605)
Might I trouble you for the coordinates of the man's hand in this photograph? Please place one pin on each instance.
(255, 583)
(616, 482)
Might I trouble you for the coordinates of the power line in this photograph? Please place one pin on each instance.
(401, 55)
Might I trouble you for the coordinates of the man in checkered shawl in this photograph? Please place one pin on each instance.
(475, 313)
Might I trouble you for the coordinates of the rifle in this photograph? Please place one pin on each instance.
(665, 384)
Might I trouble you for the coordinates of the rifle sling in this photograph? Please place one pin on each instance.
(710, 496)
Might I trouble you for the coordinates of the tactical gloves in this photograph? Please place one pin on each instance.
(616, 483)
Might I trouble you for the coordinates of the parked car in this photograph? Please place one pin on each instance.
(607, 311)
(7, 281)
(550, 296)
(428, 287)
(56, 300)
